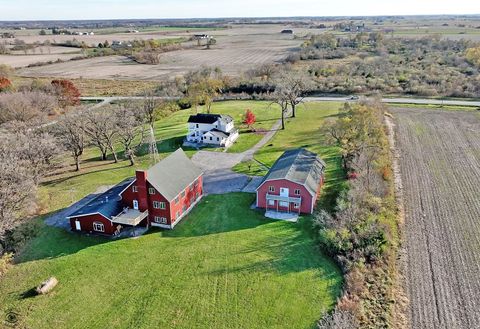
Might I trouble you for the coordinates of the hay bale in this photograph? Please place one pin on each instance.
(46, 286)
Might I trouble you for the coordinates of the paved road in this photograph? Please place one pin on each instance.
(398, 100)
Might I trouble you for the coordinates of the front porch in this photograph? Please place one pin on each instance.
(283, 207)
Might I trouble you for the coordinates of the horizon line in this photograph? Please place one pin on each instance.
(238, 17)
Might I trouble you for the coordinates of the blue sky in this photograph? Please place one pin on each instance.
(98, 9)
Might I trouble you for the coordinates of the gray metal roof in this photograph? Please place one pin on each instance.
(173, 174)
(218, 133)
(299, 166)
(107, 204)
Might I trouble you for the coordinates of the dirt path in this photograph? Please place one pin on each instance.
(440, 169)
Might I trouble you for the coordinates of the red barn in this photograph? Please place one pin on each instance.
(160, 196)
(293, 183)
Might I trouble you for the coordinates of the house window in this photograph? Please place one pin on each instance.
(218, 139)
(296, 205)
(271, 189)
(184, 208)
(99, 227)
(160, 220)
(211, 138)
(283, 204)
(197, 195)
(196, 125)
(134, 188)
(178, 215)
(183, 194)
(158, 205)
(297, 192)
(151, 190)
(271, 202)
(176, 200)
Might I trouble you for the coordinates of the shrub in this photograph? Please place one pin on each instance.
(5, 84)
(68, 94)
(184, 103)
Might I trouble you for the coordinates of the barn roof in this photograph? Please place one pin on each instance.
(107, 204)
(299, 166)
(173, 174)
(209, 118)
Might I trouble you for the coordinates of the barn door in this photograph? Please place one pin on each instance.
(135, 204)
(284, 191)
(78, 227)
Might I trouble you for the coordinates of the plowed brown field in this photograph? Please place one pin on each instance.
(440, 167)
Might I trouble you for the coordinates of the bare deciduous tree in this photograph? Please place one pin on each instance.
(25, 157)
(292, 85)
(129, 128)
(70, 130)
(26, 106)
(281, 98)
(94, 129)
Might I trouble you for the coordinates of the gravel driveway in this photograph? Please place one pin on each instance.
(218, 176)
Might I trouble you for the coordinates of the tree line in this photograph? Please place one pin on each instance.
(361, 231)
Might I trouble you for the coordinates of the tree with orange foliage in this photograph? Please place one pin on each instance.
(5, 84)
(249, 119)
(68, 93)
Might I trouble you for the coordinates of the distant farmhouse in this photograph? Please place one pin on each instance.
(200, 36)
(160, 196)
(212, 129)
(293, 183)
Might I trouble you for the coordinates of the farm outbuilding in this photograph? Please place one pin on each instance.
(160, 196)
(293, 183)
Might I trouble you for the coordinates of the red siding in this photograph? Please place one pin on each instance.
(86, 224)
(171, 208)
(307, 199)
(152, 212)
(142, 187)
(128, 195)
(186, 201)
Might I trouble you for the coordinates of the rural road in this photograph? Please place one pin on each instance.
(419, 101)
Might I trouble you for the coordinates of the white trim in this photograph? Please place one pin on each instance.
(159, 203)
(90, 214)
(120, 194)
(161, 219)
(101, 225)
(276, 179)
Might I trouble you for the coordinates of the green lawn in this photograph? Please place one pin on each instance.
(303, 131)
(224, 266)
(62, 189)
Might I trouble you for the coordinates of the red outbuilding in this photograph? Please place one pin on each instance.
(293, 183)
(160, 196)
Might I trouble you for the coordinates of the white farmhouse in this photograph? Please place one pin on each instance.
(211, 129)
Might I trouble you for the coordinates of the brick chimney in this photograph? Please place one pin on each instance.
(141, 176)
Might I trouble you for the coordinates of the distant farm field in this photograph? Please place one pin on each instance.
(440, 167)
(225, 266)
(237, 50)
